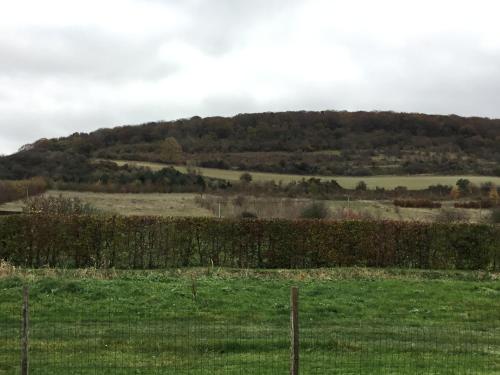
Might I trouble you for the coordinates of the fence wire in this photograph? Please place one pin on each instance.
(179, 342)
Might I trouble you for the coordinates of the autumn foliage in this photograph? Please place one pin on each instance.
(14, 190)
(154, 242)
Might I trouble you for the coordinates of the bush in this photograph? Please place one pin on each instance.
(315, 210)
(154, 242)
(58, 206)
(361, 186)
(248, 215)
(474, 204)
(246, 178)
(416, 203)
(495, 216)
(451, 216)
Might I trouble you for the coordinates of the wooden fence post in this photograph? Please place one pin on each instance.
(294, 331)
(25, 333)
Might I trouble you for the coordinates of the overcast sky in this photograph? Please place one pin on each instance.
(71, 65)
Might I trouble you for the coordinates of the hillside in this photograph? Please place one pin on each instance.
(320, 143)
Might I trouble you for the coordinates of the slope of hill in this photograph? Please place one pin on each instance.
(320, 143)
(412, 182)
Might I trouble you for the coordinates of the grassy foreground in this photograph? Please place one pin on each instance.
(223, 321)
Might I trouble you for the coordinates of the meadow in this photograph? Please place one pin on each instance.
(227, 321)
(412, 182)
(149, 204)
(192, 204)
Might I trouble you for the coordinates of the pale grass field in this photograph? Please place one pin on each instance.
(174, 204)
(414, 182)
(185, 204)
(288, 208)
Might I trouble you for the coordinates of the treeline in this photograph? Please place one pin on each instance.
(152, 242)
(71, 172)
(14, 190)
(304, 131)
(111, 178)
(316, 188)
(327, 143)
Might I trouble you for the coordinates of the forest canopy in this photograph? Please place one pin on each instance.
(325, 143)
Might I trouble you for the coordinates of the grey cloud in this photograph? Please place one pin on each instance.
(92, 54)
(229, 104)
(94, 70)
(221, 25)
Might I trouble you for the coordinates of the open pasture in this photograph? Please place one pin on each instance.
(191, 204)
(224, 321)
(150, 204)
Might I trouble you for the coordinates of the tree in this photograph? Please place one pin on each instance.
(455, 192)
(315, 210)
(493, 195)
(464, 185)
(361, 186)
(246, 178)
(495, 216)
(171, 150)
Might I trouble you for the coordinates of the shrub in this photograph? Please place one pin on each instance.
(248, 215)
(451, 216)
(58, 206)
(315, 210)
(361, 186)
(474, 204)
(495, 216)
(416, 203)
(246, 178)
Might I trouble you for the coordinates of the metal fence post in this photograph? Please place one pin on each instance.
(25, 333)
(294, 331)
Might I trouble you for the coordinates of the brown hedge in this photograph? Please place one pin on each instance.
(153, 242)
(474, 204)
(416, 203)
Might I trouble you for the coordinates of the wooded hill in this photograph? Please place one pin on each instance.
(327, 142)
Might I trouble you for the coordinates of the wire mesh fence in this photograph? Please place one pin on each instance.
(78, 341)
(10, 345)
(367, 349)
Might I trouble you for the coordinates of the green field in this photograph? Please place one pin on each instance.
(414, 182)
(222, 321)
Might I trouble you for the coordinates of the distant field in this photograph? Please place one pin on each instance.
(388, 182)
(185, 204)
(174, 204)
(266, 207)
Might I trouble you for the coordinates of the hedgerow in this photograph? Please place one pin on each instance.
(154, 242)
(475, 204)
(417, 203)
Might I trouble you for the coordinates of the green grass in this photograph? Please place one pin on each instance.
(413, 182)
(221, 321)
